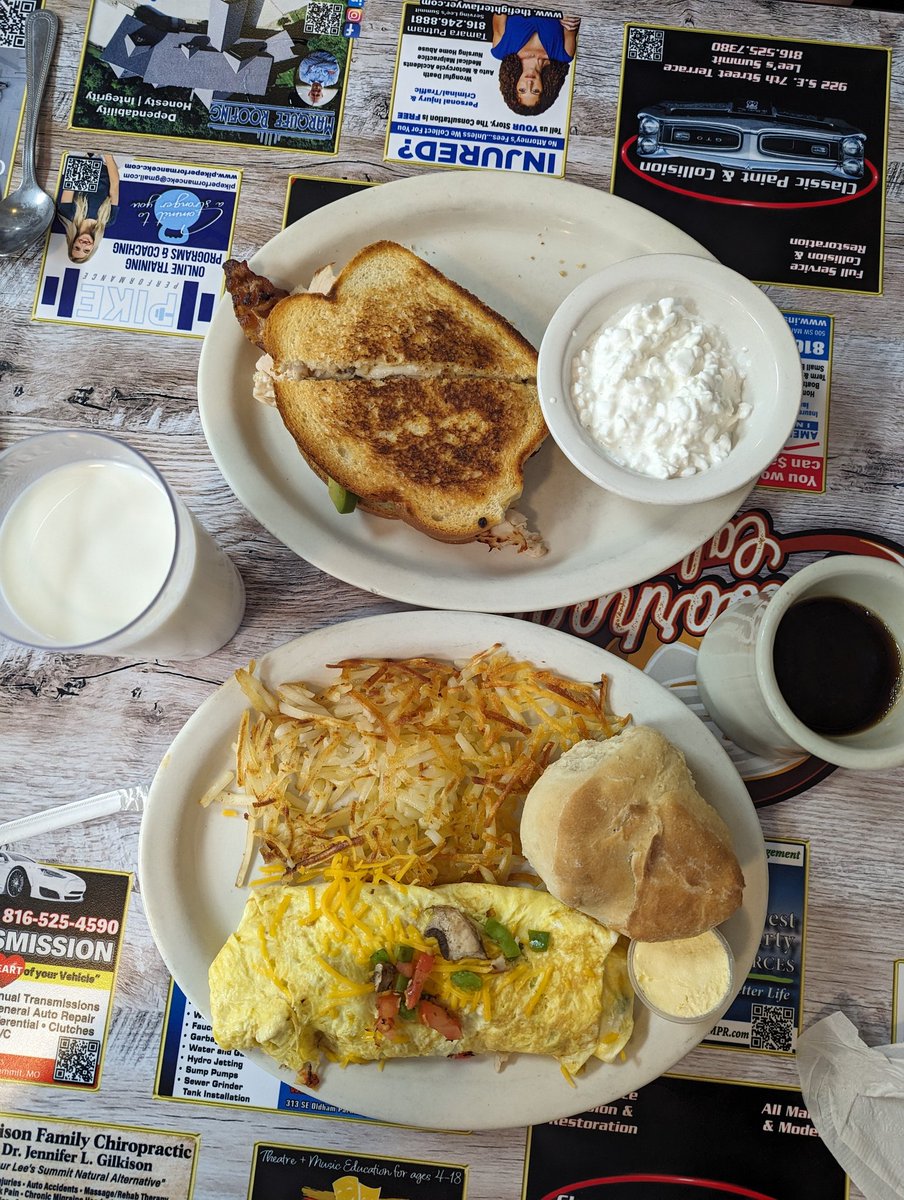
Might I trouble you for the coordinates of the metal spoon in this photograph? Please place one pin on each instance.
(26, 212)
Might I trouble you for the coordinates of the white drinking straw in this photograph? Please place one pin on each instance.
(129, 799)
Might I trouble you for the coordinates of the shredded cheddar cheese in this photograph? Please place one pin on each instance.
(351, 987)
(269, 970)
(278, 915)
(359, 929)
(538, 991)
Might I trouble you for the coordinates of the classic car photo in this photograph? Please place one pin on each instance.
(751, 136)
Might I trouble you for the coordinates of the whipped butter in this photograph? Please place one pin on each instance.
(686, 978)
(659, 391)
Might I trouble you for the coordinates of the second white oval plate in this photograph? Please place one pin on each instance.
(189, 857)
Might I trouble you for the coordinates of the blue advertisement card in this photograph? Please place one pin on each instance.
(137, 244)
(12, 81)
(801, 466)
(767, 1012)
(191, 1066)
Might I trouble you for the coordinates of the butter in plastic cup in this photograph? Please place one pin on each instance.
(688, 980)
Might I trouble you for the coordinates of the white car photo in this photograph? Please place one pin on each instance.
(21, 878)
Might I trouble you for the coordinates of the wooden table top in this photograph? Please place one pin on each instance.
(73, 726)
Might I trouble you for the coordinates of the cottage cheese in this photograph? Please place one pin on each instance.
(658, 390)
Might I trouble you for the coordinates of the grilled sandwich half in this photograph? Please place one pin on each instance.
(404, 389)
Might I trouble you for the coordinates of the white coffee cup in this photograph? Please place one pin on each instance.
(736, 675)
(98, 555)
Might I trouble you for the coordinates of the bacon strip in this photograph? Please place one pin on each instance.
(253, 296)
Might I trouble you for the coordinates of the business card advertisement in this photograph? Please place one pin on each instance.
(191, 1066)
(767, 1013)
(682, 1138)
(12, 81)
(137, 244)
(61, 930)
(55, 1159)
(483, 85)
(240, 71)
(770, 151)
(306, 193)
(303, 1173)
(801, 466)
(657, 625)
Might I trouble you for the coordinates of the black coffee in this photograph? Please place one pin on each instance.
(836, 665)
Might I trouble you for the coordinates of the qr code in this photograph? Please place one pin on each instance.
(82, 174)
(646, 44)
(12, 22)
(322, 18)
(76, 1060)
(771, 1027)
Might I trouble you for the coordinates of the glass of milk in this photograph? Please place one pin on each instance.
(99, 556)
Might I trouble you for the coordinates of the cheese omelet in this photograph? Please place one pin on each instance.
(297, 978)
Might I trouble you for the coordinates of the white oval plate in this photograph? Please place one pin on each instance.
(189, 857)
(521, 244)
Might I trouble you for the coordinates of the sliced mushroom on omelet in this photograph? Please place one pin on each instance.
(355, 971)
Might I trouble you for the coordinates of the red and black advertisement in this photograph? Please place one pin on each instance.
(681, 1138)
(769, 151)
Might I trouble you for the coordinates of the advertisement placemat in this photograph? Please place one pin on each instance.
(801, 466)
(681, 1138)
(483, 85)
(767, 1013)
(191, 1066)
(304, 1173)
(12, 81)
(770, 151)
(45, 1158)
(61, 930)
(137, 244)
(306, 193)
(217, 72)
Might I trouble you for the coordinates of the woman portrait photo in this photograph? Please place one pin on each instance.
(86, 214)
(534, 56)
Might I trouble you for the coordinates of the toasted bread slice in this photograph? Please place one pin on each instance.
(443, 455)
(388, 313)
